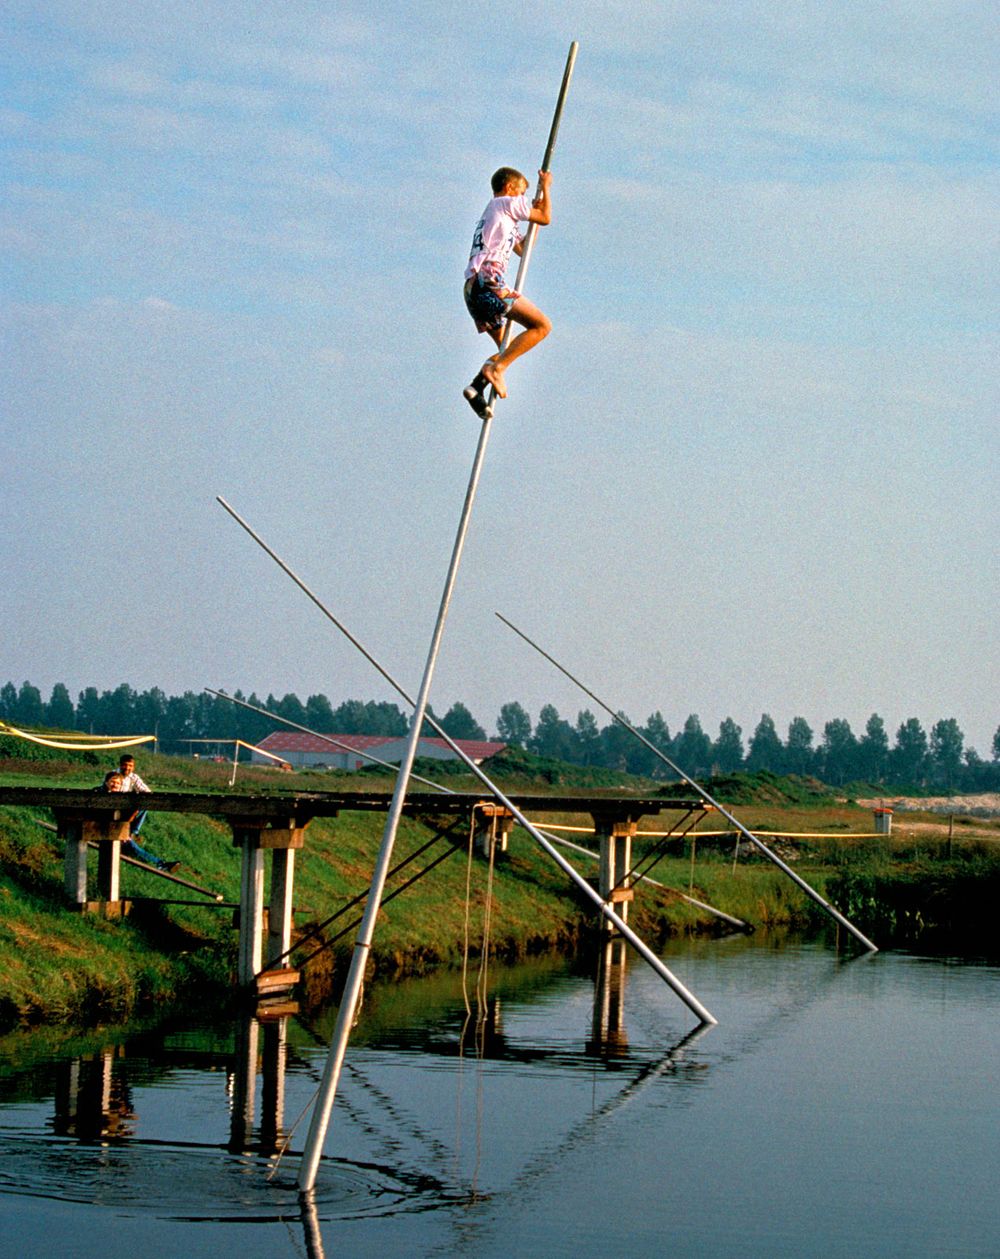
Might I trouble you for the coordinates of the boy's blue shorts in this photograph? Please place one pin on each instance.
(487, 302)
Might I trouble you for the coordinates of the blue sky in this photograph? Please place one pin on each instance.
(753, 468)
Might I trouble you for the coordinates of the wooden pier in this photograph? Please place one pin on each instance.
(277, 824)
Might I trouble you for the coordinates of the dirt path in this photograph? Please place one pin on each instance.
(985, 805)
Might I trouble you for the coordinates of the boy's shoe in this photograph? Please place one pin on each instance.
(477, 401)
(170, 866)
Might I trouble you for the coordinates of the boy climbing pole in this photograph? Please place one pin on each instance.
(488, 299)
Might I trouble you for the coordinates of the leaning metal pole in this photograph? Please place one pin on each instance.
(355, 975)
(809, 891)
(539, 837)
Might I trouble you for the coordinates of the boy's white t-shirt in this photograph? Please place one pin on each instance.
(496, 235)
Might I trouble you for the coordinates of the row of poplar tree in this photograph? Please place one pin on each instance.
(915, 758)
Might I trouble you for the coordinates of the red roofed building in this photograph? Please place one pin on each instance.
(348, 751)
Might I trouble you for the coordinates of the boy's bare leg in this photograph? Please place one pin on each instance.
(475, 393)
(486, 372)
(536, 328)
(494, 377)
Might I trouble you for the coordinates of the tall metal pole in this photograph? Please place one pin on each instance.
(355, 975)
(809, 891)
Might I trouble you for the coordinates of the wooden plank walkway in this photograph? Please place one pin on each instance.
(309, 804)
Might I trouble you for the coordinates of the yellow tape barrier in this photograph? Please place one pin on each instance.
(103, 743)
(252, 747)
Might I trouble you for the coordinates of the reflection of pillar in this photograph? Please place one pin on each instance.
(244, 1084)
(272, 1101)
(90, 1102)
(616, 860)
(609, 999)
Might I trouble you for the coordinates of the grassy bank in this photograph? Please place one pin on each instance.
(59, 966)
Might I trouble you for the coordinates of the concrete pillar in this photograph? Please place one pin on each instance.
(252, 836)
(615, 839)
(78, 830)
(251, 903)
(109, 871)
(279, 910)
(75, 862)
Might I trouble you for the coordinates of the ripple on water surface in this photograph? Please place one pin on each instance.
(201, 1182)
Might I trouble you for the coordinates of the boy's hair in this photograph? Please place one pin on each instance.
(112, 773)
(504, 176)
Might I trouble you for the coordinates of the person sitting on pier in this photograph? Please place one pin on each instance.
(114, 780)
(132, 782)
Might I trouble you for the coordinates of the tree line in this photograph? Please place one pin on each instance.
(937, 759)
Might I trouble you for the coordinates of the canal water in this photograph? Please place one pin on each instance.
(844, 1106)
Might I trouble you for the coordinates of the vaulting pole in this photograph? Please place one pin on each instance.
(540, 838)
(355, 976)
(809, 891)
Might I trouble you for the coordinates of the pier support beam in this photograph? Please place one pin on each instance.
(77, 831)
(615, 836)
(253, 836)
(279, 912)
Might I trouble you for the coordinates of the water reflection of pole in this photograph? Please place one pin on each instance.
(310, 1225)
(546, 1161)
(609, 1036)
